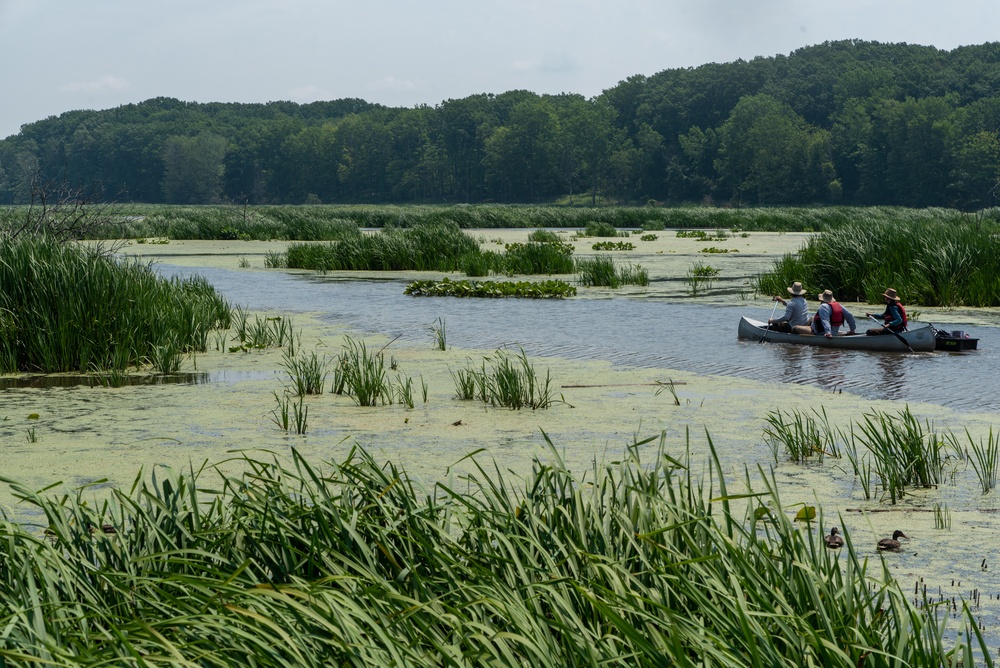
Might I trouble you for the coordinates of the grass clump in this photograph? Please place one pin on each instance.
(506, 380)
(65, 307)
(361, 374)
(803, 436)
(431, 247)
(602, 271)
(533, 258)
(638, 562)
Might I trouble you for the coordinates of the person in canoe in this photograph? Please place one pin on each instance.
(796, 310)
(830, 315)
(894, 315)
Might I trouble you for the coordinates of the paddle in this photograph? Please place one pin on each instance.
(768, 323)
(896, 334)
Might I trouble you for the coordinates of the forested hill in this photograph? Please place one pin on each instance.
(846, 122)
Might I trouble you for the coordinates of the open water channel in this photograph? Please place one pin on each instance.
(699, 338)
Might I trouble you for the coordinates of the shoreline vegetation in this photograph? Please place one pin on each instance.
(333, 222)
(66, 307)
(639, 562)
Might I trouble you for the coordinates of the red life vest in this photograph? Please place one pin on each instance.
(836, 317)
(902, 311)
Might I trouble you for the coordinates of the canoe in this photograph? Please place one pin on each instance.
(920, 338)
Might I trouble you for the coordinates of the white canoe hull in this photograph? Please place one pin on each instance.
(920, 338)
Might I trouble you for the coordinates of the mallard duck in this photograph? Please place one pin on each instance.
(834, 541)
(892, 544)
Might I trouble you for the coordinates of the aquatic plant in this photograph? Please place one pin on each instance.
(440, 336)
(66, 307)
(613, 246)
(552, 289)
(803, 435)
(906, 452)
(430, 247)
(275, 260)
(506, 380)
(932, 262)
(986, 459)
(599, 228)
(638, 561)
(306, 372)
(361, 375)
(701, 276)
(532, 258)
(648, 237)
(544, 236)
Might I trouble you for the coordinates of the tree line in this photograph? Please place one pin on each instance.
(847, 122)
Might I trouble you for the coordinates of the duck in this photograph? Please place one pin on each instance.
(833, 541)
(892, 544)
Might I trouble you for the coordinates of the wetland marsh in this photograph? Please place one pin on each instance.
(607, 352)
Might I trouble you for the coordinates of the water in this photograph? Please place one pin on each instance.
(632, 332)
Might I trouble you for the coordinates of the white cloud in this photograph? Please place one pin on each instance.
(392, 83)
(107, 82)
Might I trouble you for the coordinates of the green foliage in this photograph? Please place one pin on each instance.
(933, 261)
(602, 271)
(437, 247)
(491, 289)
(638, 561)
(599, 228)
(506, 380)
(533, 258)
(361, 374)
(544, 236)
(72, 308)
(613, 246)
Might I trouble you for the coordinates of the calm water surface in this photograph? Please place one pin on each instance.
(635, 332)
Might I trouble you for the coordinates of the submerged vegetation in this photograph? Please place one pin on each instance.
(65, 307)
(354, 563)
(932, 263)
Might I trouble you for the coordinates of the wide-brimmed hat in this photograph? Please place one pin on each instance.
(826, 296)
(891, 294)
(796, 289)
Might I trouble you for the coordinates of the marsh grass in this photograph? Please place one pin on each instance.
(700, 277)
(361, 374)
(636, 562)
(505, 379)
(906, 452)
(985, 459)
(542, 258)
(803, 436)
(307, 373)
(942, 517)
(275, 260)
(430, 247)
(440, 336)
(935, 262)
(65, 307)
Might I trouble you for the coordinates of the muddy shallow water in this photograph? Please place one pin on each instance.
(604, 351)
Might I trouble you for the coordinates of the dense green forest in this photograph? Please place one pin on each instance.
(848, 122)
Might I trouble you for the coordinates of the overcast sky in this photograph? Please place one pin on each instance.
(60, 55)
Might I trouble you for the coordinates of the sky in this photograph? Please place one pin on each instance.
(62, 55)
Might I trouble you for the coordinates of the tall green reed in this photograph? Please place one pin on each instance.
(636, 562)
(74, 308)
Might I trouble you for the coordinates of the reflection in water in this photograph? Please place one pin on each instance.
(95, 380)
(890, 377)
(632, 332)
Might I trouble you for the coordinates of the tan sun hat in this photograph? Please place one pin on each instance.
(796, 289)
(891, 294)
(827, 296)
